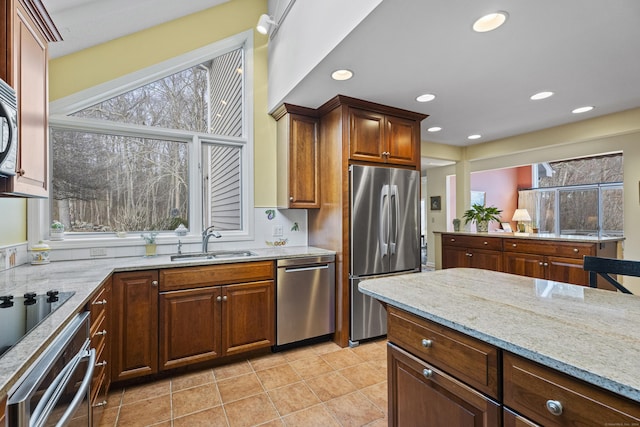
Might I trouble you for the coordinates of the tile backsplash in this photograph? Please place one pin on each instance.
(12, 256)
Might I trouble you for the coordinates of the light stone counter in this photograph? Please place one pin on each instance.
(538, 236)
(84, 277)
(590, 334)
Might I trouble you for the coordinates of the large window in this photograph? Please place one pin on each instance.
(167, 147)
(577, 197)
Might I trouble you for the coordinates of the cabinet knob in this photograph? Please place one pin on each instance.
(291, 198)
(154, 283)
(102, 332)
(468, 254)
(554, 407)
(546, 264)
(20, 172)
(218, 298)
(514, 245)
(427, 343)
(224, 298)
(575, 250)
(453, 240)
(540, 263)
(103, 302)
(428, 373)
(99, 364)
(486, 243)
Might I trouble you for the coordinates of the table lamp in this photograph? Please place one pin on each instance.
(520, 216)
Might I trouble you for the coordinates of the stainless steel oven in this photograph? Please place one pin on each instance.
(55, 391)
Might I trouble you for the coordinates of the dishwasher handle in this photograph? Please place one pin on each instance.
(308, 268)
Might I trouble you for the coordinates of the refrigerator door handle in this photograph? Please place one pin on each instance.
(395, 211)
(383, 223)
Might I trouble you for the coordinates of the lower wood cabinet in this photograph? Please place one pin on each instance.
(135, 324)
(471, 252)
(422, 395)
(101, 335)
(180, 316)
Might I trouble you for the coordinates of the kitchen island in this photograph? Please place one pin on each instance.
(507, 347)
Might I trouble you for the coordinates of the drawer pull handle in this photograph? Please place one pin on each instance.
(468, 254)
(99, 364)
(428, 373)
(99, 404)
(427, 343)
(103, 302)
(102, 332)
(554, 407)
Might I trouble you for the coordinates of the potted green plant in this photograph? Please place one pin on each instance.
(481, 216)
(150, 243)
(56, 231)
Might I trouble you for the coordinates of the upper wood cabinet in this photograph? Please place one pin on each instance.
(298, 156)
(383, 138)
(29, 29)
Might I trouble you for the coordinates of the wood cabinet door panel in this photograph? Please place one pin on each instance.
(454, 257)
(511, 419)
(528, 387)
(524, 264)
(190, 326)
(476, 242)
(135, 324)
(401, 142)
(568, 270)
(304, 181)
(436, 400)
(248, 317)
(487, 260)
(366, 133)
(470, 360)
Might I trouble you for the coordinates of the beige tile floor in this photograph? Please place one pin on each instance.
(318, 385)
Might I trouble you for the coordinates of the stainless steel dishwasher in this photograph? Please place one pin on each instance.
(305, 298)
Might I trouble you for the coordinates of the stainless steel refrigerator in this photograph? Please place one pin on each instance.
(384, 237)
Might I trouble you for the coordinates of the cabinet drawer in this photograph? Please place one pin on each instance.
(565, 249)
(209, 275)
(98, 303)
(476, 242)
(98, 333)
(530, 388)
(468, 359)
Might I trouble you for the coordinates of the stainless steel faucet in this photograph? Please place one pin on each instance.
(206, 235)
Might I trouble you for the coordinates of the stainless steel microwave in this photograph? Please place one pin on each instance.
(8, 129)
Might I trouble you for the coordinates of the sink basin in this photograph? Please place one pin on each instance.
(212, 255)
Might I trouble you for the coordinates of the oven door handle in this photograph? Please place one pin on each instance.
(54, 391)
(83, 391)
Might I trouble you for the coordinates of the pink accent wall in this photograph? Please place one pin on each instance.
(501, 190)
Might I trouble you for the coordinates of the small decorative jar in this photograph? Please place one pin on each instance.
(181, 230)
(56, 231)
(40, 253)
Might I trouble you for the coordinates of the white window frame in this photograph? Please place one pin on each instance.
(39, 210)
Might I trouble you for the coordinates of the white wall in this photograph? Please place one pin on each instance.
(311, 30)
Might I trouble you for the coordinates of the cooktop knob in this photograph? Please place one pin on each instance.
(29, 298)
(6, 301)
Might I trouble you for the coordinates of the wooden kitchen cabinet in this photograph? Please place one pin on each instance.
(423, 395)
(382, 138)
(29, 29)
(298, 151)
(232, 304)
(101, 333)
(135, 324)
(547, 397)
(472, 252)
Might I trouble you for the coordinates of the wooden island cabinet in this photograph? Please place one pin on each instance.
(176, 317)
(518, 353)
(541, 257)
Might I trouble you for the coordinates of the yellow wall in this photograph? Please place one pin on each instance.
(105, 62)
(13, 227)
(606, 134)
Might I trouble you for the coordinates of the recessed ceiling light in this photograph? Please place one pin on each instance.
(490, 22)
(434, 129)
(426, 97)
(474, 136)
(342, 74)
(541, 95)
(582, 109)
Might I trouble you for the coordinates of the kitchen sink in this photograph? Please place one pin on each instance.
(212, 255)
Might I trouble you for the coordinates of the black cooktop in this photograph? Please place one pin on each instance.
(20, 314)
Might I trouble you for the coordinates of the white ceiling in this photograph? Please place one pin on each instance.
(586, 51)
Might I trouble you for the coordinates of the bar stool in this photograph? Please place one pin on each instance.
(606, 266)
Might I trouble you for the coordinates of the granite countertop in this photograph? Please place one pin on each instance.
(84, 277)
(537, 236)
(591, 334)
